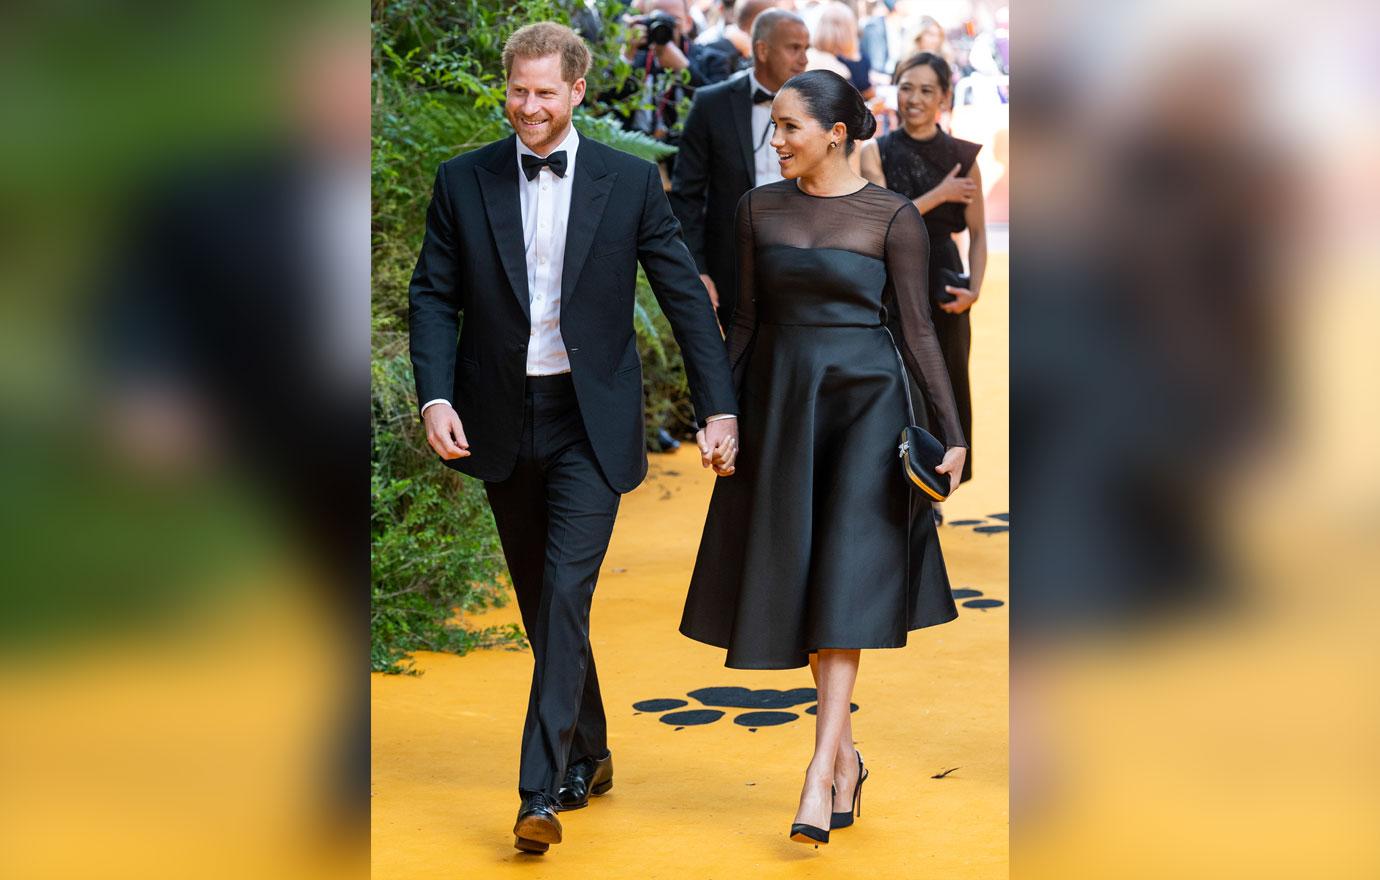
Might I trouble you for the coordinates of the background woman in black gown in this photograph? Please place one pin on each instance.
(939, 173)
(813, 549)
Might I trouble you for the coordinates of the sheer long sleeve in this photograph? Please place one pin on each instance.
(744, 324)
(907, 266)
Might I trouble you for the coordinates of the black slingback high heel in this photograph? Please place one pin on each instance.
(844, 819)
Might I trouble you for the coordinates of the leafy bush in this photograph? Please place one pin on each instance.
(434, 545)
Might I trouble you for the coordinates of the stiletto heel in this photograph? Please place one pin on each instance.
(861, 780)
(844, 819)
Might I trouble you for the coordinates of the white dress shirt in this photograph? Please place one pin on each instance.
(766, 164)
(545, 213)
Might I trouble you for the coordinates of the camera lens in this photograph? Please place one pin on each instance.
(660, 30)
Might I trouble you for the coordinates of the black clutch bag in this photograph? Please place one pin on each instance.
(920, 454)
(919, 450)
(952, 279)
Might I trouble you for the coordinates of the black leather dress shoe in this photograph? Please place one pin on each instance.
(537, 826)
(583, 778)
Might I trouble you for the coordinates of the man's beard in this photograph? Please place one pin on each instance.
(551, 131)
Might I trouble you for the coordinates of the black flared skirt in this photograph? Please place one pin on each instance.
(816, 541)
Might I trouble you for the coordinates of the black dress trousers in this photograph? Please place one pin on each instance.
(555, 516)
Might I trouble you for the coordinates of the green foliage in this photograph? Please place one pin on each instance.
(438, 92)
(434, 547)
(607, 130)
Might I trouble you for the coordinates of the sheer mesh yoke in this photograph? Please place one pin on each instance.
(777, 227)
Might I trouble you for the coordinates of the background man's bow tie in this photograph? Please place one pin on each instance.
(759, 96)
(532, 165)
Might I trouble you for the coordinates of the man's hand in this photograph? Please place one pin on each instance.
(713, 291)
(718, 442)
(963, 302)
(957, 189)
(444, 432)
(670, 57)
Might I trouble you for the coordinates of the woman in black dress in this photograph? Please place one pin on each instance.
(813, 549)
(939, 173)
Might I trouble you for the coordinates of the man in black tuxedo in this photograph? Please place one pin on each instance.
(725, 150)
(536, 240)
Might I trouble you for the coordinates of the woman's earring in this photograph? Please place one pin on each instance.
(832, 144)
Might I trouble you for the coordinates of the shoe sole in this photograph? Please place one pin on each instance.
(535, 828)
(802, 838)
(536, 847)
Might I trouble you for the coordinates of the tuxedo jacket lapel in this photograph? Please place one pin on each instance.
(740, 96)
(503, 205)
(588, 198)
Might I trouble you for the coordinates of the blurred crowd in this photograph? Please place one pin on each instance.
(861, 40)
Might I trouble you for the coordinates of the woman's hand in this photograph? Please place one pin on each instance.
(956, 189)
(963, 301)
(953, 466)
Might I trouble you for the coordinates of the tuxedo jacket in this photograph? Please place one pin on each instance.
(470, 315)
(714, 167)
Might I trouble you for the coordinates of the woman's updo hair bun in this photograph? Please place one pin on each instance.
(829, 98)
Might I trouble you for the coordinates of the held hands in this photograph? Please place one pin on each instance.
(953, 466)
(957, 189)
(444, 432)
(964, 301)
(718, 442)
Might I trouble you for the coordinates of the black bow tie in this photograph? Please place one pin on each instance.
(532, 165)
(761, 96)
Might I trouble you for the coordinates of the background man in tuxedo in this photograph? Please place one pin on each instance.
(536, 240)
(725, 150)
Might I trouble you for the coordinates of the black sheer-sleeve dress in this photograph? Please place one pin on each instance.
(913, 168)
(815, 541)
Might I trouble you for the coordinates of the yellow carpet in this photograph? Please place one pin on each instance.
(716, 800)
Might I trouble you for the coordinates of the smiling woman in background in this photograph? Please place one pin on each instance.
(939, 174)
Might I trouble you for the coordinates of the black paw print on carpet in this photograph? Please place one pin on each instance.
(765, 703)
(974, 599)
(993, 524)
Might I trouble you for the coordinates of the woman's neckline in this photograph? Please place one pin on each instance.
(801, 190)
(938, 133)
